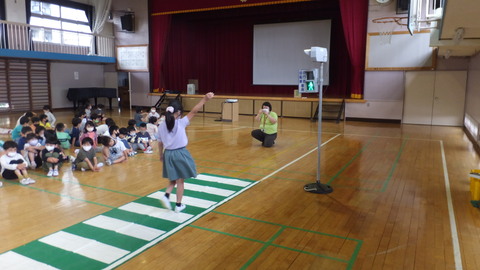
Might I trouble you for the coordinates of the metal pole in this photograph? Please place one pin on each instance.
(130, 90)
(318, 187)
(319, 136)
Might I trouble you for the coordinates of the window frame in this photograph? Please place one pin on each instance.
(62, 3)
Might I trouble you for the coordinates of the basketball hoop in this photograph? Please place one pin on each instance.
(386, 27)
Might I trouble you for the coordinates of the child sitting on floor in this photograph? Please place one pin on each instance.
(83, 117)
(152, 127)
(140, 116)
(86, 158)
(153, 112)
(40, 132)
(31, 151)
(14, 165)
(16, 132)
(23, 139)
(88, 109)
(131, 123)
(115, 132)
(35, 122)
(100, 110)
(122, 137)
(62, 136)
(75, 132)
(91, 132)
(48, 112)
(132, 139)
(44, 121)
(144, 138)
(112, 151)
(52, 158)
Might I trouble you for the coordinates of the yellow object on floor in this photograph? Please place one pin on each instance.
(475, 187)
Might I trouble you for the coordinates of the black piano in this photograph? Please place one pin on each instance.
(79, 94)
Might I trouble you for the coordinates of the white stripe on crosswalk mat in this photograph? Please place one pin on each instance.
(85, 247)
(12, 261)
(124, 227)
(209, 190)
(155, 212)
(228, 181)
(186, 200)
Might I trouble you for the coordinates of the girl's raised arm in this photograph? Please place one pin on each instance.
(199, 105)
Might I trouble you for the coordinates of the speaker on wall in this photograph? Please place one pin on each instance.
(128, 22)
(402, 6)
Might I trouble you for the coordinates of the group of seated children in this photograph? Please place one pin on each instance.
(30, 152)
(39, 142)
(103, 136)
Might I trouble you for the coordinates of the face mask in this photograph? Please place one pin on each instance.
(11, 154)
(132, 134)
(33, 142)
(153, 110)
(49, 147)
(89, 129)
(87, 148)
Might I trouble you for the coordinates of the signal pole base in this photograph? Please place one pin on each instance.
(318, 188)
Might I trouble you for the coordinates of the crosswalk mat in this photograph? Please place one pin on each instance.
(112, 238)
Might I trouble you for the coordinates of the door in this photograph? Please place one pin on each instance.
(434, 97)
(418, 102)
(449, 98)
(124, 89)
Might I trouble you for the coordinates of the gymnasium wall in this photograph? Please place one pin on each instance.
(140, 80)
(384, 90)
(473, 91)
(62, 77)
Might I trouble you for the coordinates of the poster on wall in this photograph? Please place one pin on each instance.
(132, 58)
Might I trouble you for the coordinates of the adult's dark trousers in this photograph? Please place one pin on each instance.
(268, 140)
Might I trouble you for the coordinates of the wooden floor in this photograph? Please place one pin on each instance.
(389, 209)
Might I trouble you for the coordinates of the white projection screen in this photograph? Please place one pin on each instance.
(278, 50)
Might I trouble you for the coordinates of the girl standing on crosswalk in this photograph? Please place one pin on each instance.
(178, 164)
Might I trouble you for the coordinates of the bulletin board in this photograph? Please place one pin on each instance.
(404, 52)
(132, 57)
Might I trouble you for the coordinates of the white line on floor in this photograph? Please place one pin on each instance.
(457, 255)
(293, 161)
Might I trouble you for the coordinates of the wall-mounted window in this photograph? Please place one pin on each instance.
(62, 22)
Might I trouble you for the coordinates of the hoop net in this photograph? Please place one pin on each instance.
(386, 26)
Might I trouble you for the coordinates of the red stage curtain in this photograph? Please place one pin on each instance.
(158, 43)
(354, 18)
